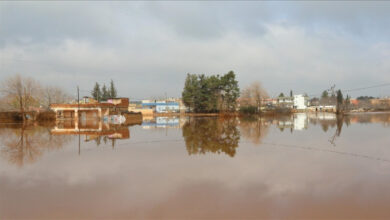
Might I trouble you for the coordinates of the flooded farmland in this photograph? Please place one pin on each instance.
(297, 166)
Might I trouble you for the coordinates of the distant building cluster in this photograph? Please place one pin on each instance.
(370, 103)
(146, 107)
(328, 104)
(298, 102)
(89, 107)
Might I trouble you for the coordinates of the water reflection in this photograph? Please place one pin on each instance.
(216, 135)
(92, 130)
(25, 143)
(275, 174)
(254, 128)
(163, 122)
(203, 135)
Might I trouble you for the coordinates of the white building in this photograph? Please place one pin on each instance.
(300, 102)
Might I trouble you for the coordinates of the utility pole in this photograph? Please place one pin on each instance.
(78, 97)
(78, 111)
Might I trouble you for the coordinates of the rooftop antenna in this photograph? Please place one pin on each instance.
(331, 90)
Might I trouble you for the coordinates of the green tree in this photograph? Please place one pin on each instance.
(347, 102)
(325, 94)
(190, 91)
(105, 93)
(365, 97)
(210, 93)
(113, 92)
(340, 100)
(291, 93)
(96, 93)
(230, 91)
(202, 100)
(281, 95)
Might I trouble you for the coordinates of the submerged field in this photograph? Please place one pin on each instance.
(296, 166)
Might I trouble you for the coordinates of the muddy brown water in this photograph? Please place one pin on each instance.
(302, 166)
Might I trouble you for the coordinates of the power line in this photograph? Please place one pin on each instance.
(359, 89)
(368, 87)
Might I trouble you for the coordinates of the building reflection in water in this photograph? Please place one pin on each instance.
(95, 130)
(25, 143)
(221, 135)
(163, 122)
(21, 144)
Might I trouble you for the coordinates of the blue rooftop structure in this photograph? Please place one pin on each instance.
(162, 107)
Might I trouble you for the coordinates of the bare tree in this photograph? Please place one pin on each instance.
(22, 92)
(253, 95)
(53, 95)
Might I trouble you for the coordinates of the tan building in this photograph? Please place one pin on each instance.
(384, 101)
(90, 109)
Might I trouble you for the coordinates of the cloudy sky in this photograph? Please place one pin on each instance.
(147, 48)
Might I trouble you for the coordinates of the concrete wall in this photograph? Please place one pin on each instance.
(300, 102)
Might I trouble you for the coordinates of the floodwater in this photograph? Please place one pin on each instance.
(300, 166)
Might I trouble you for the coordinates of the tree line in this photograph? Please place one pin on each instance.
(209, 94)
(104, 93)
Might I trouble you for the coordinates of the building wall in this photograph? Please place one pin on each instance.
(300, 102)
(143, 111)
(380, 101)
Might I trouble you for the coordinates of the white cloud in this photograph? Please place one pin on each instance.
(148, 48)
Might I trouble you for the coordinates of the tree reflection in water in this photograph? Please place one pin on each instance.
(254, 128)
(22, 144)
(215, 135)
